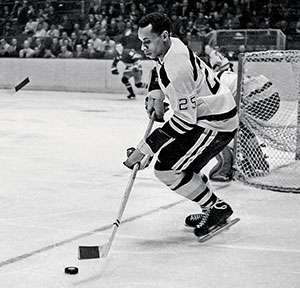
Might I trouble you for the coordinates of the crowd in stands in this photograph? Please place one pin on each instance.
(43, 29)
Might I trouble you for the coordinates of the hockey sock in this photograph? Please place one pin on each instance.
(129, 88)
(189, 185)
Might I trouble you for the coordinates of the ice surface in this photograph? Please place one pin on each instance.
(62, 181)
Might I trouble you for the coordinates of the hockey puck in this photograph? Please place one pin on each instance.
(71, 270)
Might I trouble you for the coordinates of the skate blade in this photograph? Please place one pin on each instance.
(218, 230)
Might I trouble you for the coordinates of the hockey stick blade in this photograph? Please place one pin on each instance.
(22, 84)
(93, 252)
(218, 230)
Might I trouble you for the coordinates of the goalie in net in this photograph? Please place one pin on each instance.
(260, 102)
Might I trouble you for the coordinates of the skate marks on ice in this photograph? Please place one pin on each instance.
(94, 110)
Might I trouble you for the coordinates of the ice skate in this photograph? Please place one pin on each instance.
(131, 96)
(213, 217)
(193, 220)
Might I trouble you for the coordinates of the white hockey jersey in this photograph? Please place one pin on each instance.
(195, 94)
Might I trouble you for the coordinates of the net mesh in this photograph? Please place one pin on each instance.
(267, 143)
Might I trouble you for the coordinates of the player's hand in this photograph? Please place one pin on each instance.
(154, 103)
(114, 71)
(135, 156)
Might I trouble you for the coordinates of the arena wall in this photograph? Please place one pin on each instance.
(84, 75)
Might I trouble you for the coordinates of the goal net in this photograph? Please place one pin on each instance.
(267, 145)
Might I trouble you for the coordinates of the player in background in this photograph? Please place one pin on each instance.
(260, 103)
(204, 121)
(133, 68)
(217, 60)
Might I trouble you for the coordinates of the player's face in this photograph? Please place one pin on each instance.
(152, 43)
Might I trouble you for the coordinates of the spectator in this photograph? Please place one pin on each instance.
(5, 14)
(109, 47)
(78, 53)
(53, 31)
(64, 36)
(66, 24)
(39, 48)
(65, 42)
(31, 13)
(265, 24)
(97, 43)
(74, 40)
(91, 20)
(26, 52)
(4, 48)
(65, 53)
(8, 31)
(13, 50)
(31, 42)
(42, 14)
(94, 7)
(15, 10)
(142, 9)
(84, 39)
(55, 47)
(112, 29)
(40, 31)
(90, 51)
(298, 27)
(48, 53)
(97, 27)
(52, 16)
(77, 30)
(30, 27)
(22, 13)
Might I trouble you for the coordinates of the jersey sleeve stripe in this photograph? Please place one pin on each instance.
(191, 125)
(220, 117)
(181, 123)
(171, 130)
(175, 127)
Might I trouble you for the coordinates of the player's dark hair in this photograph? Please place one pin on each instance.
(160, 22)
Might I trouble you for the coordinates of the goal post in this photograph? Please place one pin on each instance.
(267, 145)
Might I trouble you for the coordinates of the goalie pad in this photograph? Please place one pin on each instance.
(222, 171)
(252, 160)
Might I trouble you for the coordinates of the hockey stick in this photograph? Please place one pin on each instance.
(92, 252)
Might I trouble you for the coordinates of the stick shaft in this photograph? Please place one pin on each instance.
(127, 191)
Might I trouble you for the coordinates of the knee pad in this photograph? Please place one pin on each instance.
(124, 80)
(168, 177)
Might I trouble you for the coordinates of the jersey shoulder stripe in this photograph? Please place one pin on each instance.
(163, 76)
(193, 62)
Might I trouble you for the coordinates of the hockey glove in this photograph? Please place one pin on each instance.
(154, 102)
(114, 70)
(135, 156)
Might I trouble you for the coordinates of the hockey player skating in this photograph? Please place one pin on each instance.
(133, 68)
(204, 121)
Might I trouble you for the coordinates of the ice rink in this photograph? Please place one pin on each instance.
(62, 180)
